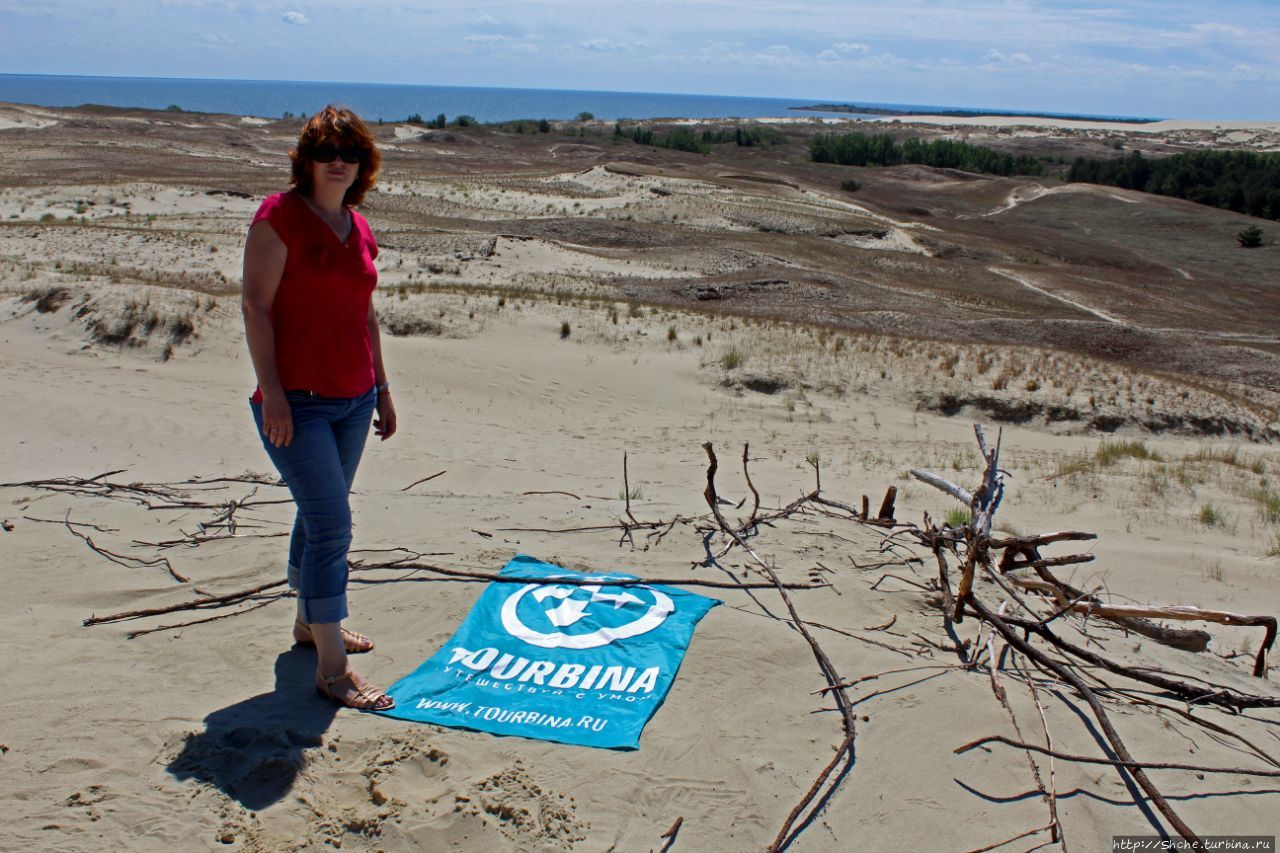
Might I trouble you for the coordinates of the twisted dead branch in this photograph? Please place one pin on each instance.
(845, 751)
(1088, 759)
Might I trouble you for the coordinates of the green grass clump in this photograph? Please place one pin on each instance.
(733, 358)
(1211, 516)
(958, 517)
(1107, 454)
(1268, 504)
(1230, 455)
(1111, 452)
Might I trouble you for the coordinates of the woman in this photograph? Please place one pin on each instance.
(313, 337)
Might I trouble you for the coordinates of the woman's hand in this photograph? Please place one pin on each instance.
(277, 420)
(384, 425)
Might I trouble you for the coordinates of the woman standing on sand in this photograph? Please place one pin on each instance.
(313, 337)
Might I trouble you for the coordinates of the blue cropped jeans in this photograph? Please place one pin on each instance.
(319, 466)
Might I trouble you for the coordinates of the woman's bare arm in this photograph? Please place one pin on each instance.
(264, 259)
(385, 424)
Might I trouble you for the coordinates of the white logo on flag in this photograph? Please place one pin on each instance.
(571, 610)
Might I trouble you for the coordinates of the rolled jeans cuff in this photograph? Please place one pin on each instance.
(324, 610)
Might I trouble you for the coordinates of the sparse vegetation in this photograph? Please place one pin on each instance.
(733, 358)
(1268, 500)
(564, 329)
(1107, 454)
(1250, 238)
(1211, 516)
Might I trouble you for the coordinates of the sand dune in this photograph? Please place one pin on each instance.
(122, 349)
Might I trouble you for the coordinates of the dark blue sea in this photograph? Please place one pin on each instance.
(273, 98)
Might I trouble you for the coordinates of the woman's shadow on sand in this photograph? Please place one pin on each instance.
(253, 750)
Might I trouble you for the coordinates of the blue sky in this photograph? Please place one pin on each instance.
(1180, 58)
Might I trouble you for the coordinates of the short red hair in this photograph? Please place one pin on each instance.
(342, 127)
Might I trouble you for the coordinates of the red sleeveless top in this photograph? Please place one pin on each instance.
(321, 311)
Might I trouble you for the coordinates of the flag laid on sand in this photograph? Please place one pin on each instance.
(586, 662)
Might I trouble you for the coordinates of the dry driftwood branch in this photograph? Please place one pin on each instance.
(67, 522)
(626, 491)
(876, 675)
(844, 752)
(786, 835)
(1041, 539)
(887, 505)
(1207, 725)
(198, 604)
(1208, 695)
(552, 492)
(234, 597)
(669, 837)
(993, 670)
(986, 500)
(565, 581)
(195, 540)
(270, 600)
(1059, 834)
(1192, 640)
(1017, 837)
(423, 480)
(124, 559)
(1086, 759)
(746, 473)
(1187, 613)
(928, 477)
(1066, 674)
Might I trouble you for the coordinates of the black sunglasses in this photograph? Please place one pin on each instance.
(327, 152)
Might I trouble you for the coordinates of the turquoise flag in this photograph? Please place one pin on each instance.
(586, 662)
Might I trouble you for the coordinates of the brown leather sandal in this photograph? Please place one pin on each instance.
(355, 644)
(367, 698)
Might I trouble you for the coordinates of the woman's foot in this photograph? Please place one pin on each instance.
(354, 643)
(352, 691)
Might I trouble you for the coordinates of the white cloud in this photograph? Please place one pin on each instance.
(994, 60)
(489, 39)
(295, 18)
(1214, 28)
(1246, 72)
(602, 45)
(486, 20)
(214, 40)
(843, 51)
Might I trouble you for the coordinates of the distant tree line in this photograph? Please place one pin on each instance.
(441, 121)
(522, 125)
(1243, 181)
(675, 138)
(861, 149)
(699, 142)
(744, 137)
